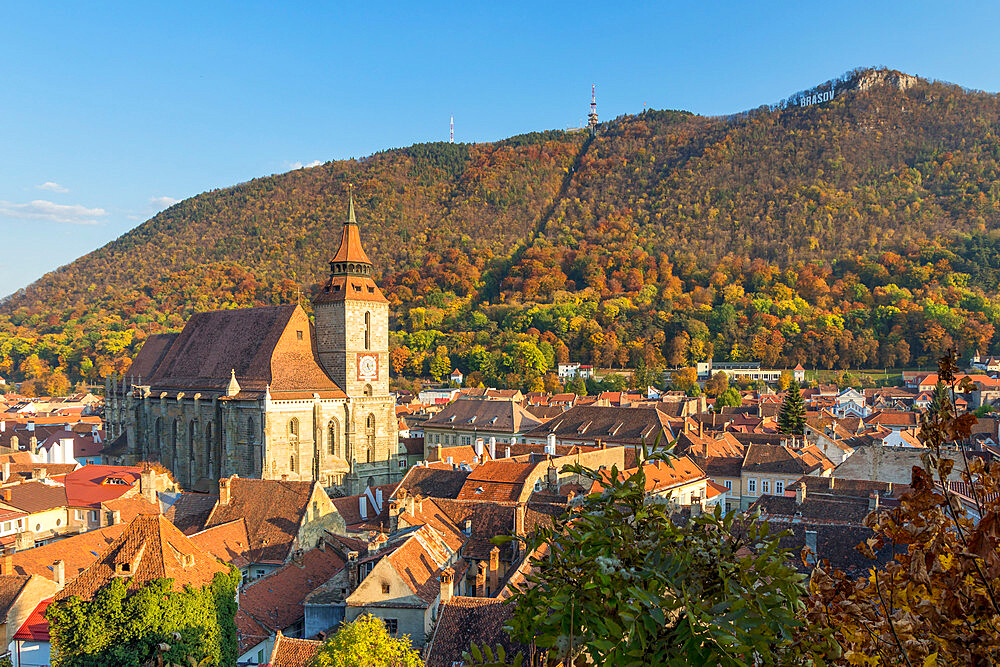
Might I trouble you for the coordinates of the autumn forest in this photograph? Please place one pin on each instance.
(858, 233)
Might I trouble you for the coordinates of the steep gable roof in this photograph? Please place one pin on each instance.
(464, 620)
(433, 481)
(152, 352)
(501, 480)
(262, 345)
(276, 600)
(149, 548)
(290, 652)
(189, 511)
(273, 510)
(226, 541)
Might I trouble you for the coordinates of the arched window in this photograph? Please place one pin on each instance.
(192, 435)
(293, 428)
(370, 438)
(368, 330)
(368, 390)
(333, 435)
(159, 434)
(251, 431)
(291, 462)
(209, 451)
(173, 439)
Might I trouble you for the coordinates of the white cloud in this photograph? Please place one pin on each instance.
(52, 186)
(40, 209)
(160, 203)
(299, 165)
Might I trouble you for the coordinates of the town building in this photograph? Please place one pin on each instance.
(262, 393)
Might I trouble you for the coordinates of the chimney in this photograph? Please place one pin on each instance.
(24, 540)
(493, 449)
(481, 580)
(519, 520)
(352, 569)
(494, 570)
(447, 584)
(506, 452)
(811, 544)
(146, 488)
(553, 478)
(224, 491)
(550, 444)
(800, 493)
(59, 570)
(873, 501)
(468, 527)
(6, 564)
(479, 448)
(395, 507)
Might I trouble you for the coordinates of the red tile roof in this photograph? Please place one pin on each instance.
(276, 600)
(36, 627)
(93, 484)
(149, 548)
(273, 509)
(497, 481)
(227, 541)
(77, 553)
(34, 497)
(467, 619)
(289, 652)
(260, 344)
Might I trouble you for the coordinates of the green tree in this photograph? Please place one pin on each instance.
(365, 642)
(683, 379)
(577, 386)
(729, 398)
(792, 416)
(116, 627)
(718, 383)
(623, 584)
(440, 365)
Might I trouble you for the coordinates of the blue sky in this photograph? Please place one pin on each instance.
(110, 111)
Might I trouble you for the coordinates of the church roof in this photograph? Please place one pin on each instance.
(267, 346)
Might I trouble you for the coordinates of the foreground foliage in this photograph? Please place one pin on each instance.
(936, 602)
(621, 583)
(120, 628)
(365, 642)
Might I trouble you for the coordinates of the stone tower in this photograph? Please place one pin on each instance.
(352, 341)
(352, 320)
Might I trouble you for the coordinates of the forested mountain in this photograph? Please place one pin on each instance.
(863, 230)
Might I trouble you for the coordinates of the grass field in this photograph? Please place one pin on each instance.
(876, 377)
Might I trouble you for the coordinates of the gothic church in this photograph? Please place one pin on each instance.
(261, 392)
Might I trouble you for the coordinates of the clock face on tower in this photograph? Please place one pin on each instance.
(367, 367)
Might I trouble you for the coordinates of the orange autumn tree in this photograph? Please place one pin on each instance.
(936, 601)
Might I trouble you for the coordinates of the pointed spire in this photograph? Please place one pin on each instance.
(350, 206)
(234, 386)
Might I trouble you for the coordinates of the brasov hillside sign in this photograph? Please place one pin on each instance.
(816, 98)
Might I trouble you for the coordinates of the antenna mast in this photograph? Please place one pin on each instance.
(451, 135)
(592, 118)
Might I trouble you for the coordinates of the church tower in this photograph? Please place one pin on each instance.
(352, 341)
(352, 319)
